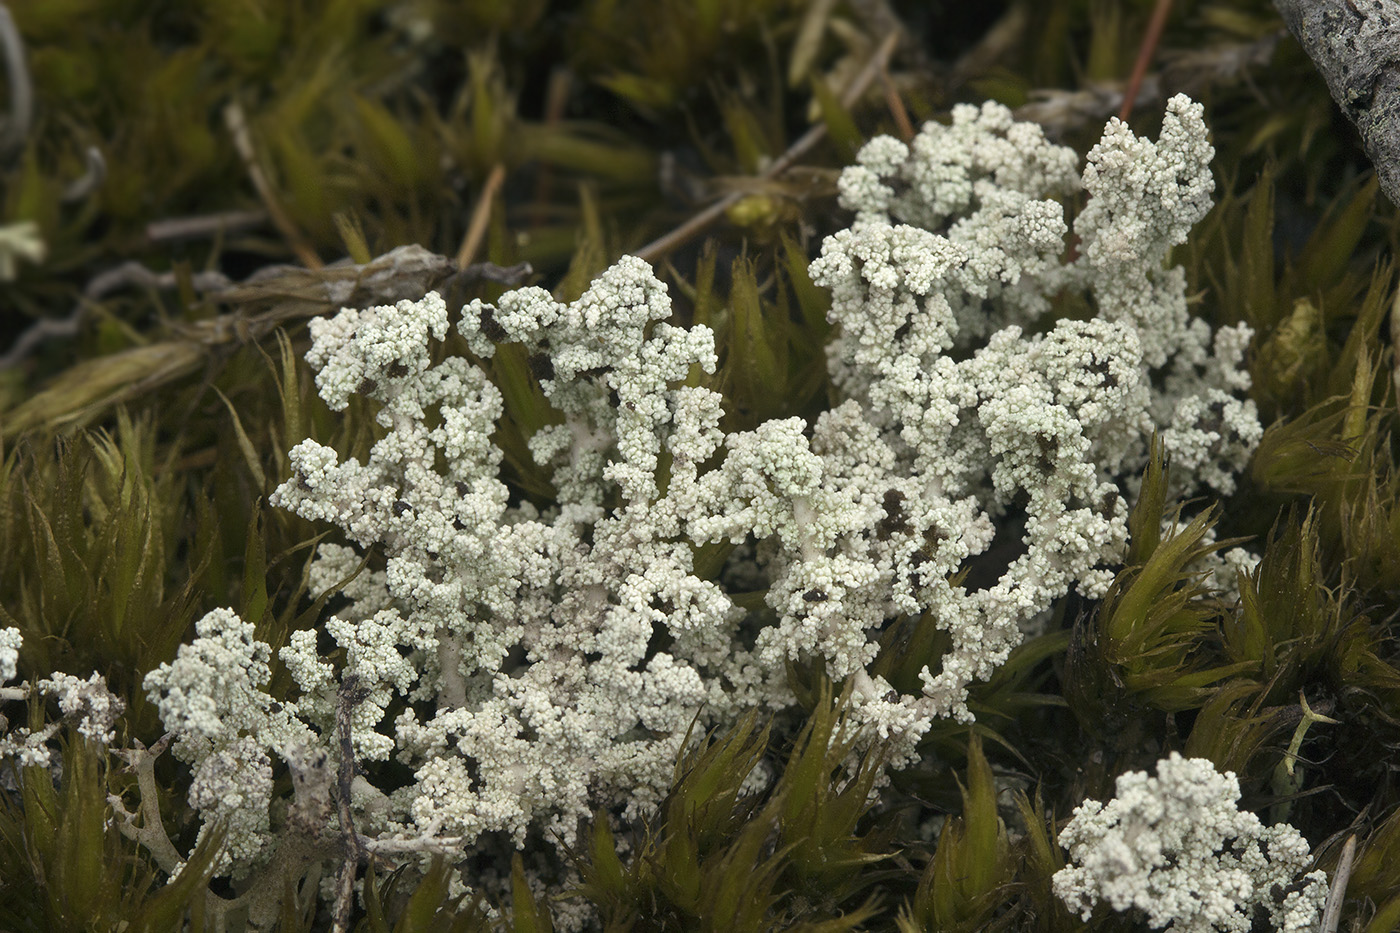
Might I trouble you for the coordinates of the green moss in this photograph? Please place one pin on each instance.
(731, 850)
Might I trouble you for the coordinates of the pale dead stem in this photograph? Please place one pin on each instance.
(237, 125)
(1336, 893)
(481, 215)
(15, 128)
(263, 302)
(297, 852)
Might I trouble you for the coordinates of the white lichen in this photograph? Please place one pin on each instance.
(1177, 848)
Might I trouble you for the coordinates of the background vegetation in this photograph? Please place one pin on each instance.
(204, 177)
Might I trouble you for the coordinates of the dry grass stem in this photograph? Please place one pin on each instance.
(481, 216)
(237, 124)
(692, 227)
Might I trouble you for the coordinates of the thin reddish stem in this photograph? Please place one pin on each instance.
(1146, 50)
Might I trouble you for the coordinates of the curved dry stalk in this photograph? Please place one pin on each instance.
(92, 178)
(261, 303)
(481, 216)
(237, 125)
(664, 244)
(15, 128)
(1336, 894)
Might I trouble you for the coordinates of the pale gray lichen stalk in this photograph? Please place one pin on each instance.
(212, 698)
(88, 706)
(554, 660)
(1178, 848)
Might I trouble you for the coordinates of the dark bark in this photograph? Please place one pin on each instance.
(1355, 44)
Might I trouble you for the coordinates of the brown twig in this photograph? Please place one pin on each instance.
(1061, 112)
(896, 105)
(509, 276)
(481, 216)
(667, 242)
(237, 125)
(1146, 50)
(350, 695)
